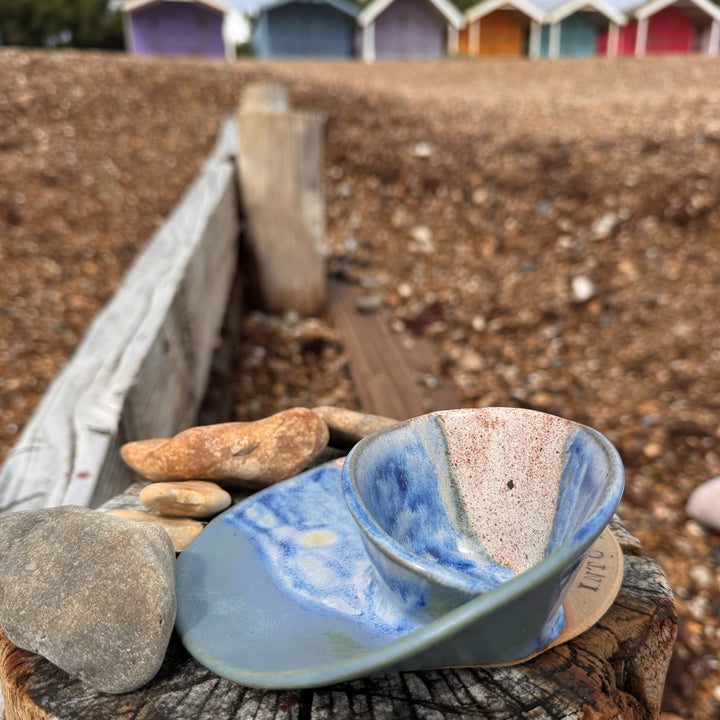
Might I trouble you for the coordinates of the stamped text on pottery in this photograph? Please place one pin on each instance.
(593, 572)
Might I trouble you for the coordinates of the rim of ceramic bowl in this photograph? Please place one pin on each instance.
(568, 551)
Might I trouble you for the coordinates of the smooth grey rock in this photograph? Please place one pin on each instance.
(704, 504)
(93, 594)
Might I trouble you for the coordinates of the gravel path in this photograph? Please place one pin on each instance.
(552, 227)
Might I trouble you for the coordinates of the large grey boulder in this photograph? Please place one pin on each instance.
(92, 593)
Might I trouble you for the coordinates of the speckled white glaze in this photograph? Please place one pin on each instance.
(507, 466)
(455, 503)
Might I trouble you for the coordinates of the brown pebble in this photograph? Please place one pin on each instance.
(240, 454)
(348, 427)
(180, 530)
(188, 498)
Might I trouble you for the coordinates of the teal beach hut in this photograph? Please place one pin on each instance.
(578, 37)
(305, 28)
(572, 28)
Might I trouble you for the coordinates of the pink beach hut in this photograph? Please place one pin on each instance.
(668, 27)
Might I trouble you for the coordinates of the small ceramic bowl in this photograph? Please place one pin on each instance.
(501, 501)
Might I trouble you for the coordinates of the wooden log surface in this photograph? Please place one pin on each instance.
(614, 671)
(141, 368)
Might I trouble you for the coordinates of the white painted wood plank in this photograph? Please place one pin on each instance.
(225, 148)
(141, 368)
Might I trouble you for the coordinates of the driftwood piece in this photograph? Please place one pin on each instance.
(614, 671)
(282, 194)
(387, 375)
(141, 368)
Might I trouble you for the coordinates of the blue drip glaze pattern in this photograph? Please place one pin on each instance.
(309, 541)
(583, 480)
(409, 493)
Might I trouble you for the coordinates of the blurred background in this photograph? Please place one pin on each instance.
(550, 226)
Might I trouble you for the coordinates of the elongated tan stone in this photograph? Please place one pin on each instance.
(186, 498)
(180, 530)
(348, 427)
(240, 454)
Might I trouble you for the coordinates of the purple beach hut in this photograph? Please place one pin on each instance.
(396, 29)
(174, 27)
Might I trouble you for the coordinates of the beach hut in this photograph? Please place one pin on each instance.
(174, 27)
(664, 26)
(501, 27)
(395, 29)
(305, 28)
(572, 28)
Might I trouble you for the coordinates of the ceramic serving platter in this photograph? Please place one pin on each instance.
(279, 592)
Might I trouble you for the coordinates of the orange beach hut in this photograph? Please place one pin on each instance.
(501, 28)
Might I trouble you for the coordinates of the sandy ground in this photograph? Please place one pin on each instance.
(552, 227)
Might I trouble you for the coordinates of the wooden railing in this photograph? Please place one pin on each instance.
(142, 366)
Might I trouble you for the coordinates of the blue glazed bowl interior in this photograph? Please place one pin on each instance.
(468, 499)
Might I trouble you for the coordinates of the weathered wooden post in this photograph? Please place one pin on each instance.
(282, 194)
(265, 97)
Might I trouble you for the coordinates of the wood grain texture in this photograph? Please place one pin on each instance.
(36, 690)
(386, 373)
(141, 368)
(614, 671)
(281, 188)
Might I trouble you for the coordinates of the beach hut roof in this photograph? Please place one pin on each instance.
(346, 6)
(650, 8)
(131, 5)
(557, 9)
(447, 8)
(626, 6)
(604, 7)
(485, 7)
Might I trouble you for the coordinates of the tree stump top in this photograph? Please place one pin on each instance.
(614, 670)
